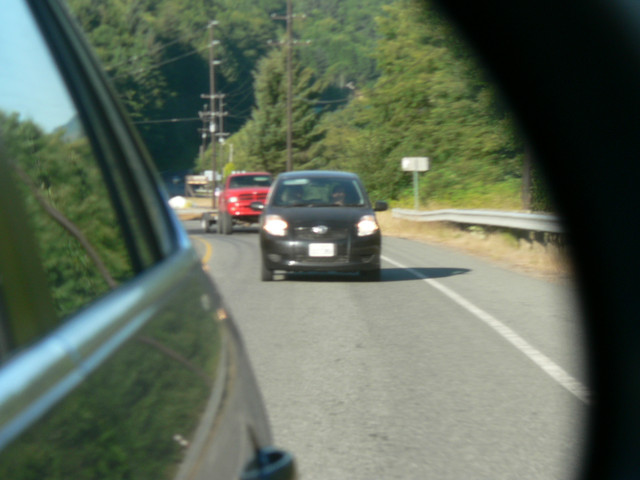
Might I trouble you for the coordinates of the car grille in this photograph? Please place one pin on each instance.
(332, 235)
(252, 197)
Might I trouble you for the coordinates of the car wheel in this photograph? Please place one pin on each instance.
(266, 275)
(226, 224)
(371, 275)
(205, 222)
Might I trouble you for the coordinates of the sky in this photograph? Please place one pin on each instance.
(29, 81)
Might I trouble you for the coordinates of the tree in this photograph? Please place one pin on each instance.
(343, 37)
(266, 132)
(410, 86)
(431, 100)
(156, 53)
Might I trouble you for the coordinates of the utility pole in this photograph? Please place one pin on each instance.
(204, 116)
(221, 114)
(211, 115)
(289, 46)
(212, 108)
(289, 88)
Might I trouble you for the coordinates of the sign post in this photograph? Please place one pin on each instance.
(415, 165)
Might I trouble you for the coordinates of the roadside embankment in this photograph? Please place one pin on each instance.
(526, 255)
(529, 256)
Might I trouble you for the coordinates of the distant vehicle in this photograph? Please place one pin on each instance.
(117, 356)
(319, 221)
(240, 190)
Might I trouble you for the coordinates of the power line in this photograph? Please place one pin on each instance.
(322, 102)
(236, 92)
(247, 95)
(153, 51)
(160, 64)
(167, 120)
(243, 113)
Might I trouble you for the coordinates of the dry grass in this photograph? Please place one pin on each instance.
(547, 261)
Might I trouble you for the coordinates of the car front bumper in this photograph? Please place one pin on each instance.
(349, 254)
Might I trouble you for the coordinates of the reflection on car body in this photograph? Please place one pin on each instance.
(117, 357)
(320, 221)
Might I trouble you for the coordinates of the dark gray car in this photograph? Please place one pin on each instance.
(320, 221)
(117, 356)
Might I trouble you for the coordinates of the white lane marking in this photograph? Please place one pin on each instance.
(541, 360)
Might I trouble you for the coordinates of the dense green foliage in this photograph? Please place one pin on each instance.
(59, 177)
(342, 36)
(266, 131)
(379, 80)
(156, 52)
(430, 100)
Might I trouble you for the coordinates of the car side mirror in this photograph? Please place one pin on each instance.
(258, 206)
(380, 206)
(271, 464)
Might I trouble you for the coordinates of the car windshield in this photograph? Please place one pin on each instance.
(319, 192)
(242, 181)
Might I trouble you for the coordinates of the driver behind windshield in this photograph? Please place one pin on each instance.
(338, 195)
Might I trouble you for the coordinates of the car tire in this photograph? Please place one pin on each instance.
(371, 275)
(226, 224)
(205, 222)
(266, 275)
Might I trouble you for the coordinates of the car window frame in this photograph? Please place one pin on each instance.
(36, 375)
(125, 162)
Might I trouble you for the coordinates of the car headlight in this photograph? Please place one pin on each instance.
(275, 225)
(367, 226)
(232, 199)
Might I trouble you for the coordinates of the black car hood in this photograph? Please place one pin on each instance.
(329, 216)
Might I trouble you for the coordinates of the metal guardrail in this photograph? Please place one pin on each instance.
(522, 221)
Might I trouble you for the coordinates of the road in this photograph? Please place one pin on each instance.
(448, 368)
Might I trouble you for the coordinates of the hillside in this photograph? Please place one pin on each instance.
(373, 81)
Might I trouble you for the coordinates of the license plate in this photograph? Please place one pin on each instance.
(322, 249)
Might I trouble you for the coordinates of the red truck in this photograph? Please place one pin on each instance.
(234, 202)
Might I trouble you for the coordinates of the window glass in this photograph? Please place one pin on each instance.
(319, 192)
(42, 143)
(250, 181)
